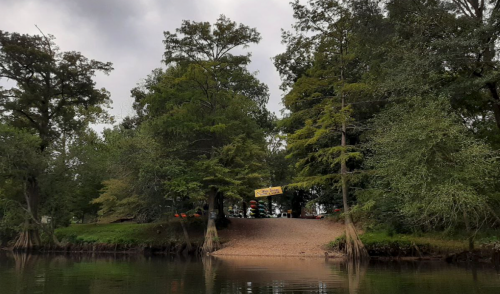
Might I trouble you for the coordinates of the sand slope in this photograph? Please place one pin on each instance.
(278, 237)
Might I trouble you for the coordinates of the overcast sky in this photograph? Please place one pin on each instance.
(129, 33)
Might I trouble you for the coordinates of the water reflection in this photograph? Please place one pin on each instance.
(278, 275)
(110, 274)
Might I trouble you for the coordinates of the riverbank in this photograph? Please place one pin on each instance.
(158, 238)
(279, 237)
(382, 245)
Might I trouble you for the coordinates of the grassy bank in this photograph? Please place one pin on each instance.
(403, 245)
(131, 234)
(383, 244)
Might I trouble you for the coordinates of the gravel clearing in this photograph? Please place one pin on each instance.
(278, 237)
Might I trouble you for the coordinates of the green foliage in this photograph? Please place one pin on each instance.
(54, 91)
(19, 157)
(19, 154)
(208, 111)
(51, 96)
(337, 244)
(323, 72)
(446, 48)
(428, 166)
(117, 200)
(11, 216)
(130, 234)
(381, 241)
(136, 168)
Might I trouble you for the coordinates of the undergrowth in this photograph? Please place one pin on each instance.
(130, 233)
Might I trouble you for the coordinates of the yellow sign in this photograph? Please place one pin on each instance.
(268, 192)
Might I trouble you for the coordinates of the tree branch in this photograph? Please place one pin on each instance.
(29, 118)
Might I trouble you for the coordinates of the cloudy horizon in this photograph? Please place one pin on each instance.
(130, 33)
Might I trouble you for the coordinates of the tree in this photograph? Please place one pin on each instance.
(446, 47)
(319, 100)
(54, 95)
(209, 113)
(137, 167)
(19, 157)
(89, 155)
(430, 169)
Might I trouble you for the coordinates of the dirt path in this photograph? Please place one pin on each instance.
(278, 237)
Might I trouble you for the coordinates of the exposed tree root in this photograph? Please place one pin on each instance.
(212, 242)
(29, 239)
(355, 248)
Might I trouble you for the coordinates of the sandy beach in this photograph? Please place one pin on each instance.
(278, 237)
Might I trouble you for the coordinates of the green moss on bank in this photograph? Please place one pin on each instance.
(156, 234)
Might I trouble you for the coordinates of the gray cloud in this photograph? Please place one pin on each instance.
(130, 34)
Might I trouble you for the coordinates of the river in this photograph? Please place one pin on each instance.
(110, 274)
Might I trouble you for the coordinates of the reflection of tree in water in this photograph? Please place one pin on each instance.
(24, 262)
(260, 274)
(210, 266)
(25, 268)
(356, 271)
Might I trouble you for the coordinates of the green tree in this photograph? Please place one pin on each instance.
(446, 47)
(19, 157)
(137, 167)
(430, 169)
(54, 95)
(208, 111)
(320, 100)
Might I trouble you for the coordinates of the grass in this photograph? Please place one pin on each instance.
(130, 233)
(381, 243)
(433, 241)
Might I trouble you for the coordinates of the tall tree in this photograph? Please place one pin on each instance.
(54, 94)
(320, 102)
(209, 112)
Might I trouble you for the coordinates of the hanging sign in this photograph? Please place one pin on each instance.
(268, 192)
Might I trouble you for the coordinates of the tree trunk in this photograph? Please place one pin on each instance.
(297, 200)
(355, 248)
(29, 238)
(492, 87)
(222, 220)
(220, 206)
(469, 231)
(186, 236)
(212, 242)
(270, 205)
(245, 208)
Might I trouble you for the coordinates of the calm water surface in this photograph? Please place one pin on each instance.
(137, 274)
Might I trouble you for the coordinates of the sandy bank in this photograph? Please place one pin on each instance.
(278, 237)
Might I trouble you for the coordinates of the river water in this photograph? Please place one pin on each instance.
(110, 274)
